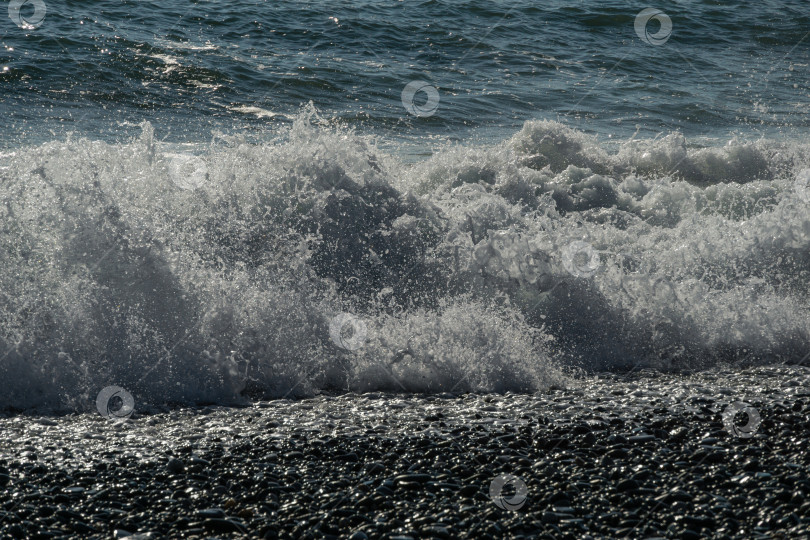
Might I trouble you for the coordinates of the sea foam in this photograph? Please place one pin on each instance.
(214, 276)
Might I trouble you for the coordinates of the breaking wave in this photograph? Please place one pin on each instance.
(317, 262)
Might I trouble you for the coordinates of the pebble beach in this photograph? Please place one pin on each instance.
(641, 455)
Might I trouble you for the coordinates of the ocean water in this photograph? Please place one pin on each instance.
(214, 201)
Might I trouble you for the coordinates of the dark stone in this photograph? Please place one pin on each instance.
(175, 466)
(638, 439)
(223, 526)
(627, 485)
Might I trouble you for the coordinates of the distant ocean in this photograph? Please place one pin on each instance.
(213, 201)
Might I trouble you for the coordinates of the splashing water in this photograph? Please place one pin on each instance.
(214, 276)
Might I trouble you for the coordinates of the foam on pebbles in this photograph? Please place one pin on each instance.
(641, 455)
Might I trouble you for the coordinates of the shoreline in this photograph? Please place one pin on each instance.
(641, 456)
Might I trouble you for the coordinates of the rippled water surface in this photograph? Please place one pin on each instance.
(98, 68)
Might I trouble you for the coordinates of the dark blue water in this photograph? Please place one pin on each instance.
(99, 68)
